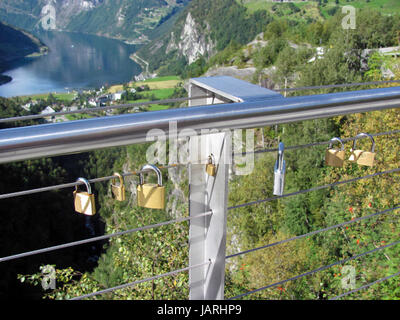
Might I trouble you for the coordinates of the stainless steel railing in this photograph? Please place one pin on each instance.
(25, 143)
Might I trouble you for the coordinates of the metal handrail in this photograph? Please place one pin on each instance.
(33, 142)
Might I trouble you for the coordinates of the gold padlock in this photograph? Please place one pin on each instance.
(361, 157)
(335, 157)
(151, 195)
(211, 169)
(84, 201)
(118, 190)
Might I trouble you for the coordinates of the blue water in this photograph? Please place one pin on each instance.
(75, 61)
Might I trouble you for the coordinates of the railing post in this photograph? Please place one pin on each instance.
(207, 236)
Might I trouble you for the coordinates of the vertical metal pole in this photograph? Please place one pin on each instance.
(207, 240)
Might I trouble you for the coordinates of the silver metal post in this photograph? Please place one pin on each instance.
(207, 236)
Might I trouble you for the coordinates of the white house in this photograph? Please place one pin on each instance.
(27, 106)
(117, 95)
(48, 110)
(92, 102)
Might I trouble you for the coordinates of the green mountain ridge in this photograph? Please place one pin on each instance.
(210, 34)
(129, 20)
(17, 44)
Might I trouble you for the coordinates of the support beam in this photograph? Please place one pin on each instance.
(208, 235)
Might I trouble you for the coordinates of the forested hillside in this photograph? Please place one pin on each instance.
(40, 220)
(203, 29)
(275, 39)
(16, 44)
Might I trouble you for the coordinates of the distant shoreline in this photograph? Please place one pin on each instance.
(4, 79)
(43, 50)
(141, 62)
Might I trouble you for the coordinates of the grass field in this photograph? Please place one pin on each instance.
(160, 79)
(168, 82)
(254, 5)
(309, 9)
(59, 96)
(160, 94)
(115, 88)
(157, 107)
(384, 6)
(162, 88)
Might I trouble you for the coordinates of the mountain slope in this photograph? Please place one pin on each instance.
(203, 28)
(16, 44)
(133, 20)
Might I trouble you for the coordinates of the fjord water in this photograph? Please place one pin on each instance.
(74, 61)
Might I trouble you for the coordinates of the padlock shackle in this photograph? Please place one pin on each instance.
(280, 162)
(211, 159)
(279, 171)
(88, 187)
(338, 140)
(281, 150)
(120, 177)
(153, 168)
(364, 135)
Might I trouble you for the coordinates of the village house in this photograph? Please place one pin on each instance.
(117, 95)
(47, 111)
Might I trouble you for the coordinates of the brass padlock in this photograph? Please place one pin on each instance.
(118, 190)
(361, 157)
(335, 157)
(150, 195)
(84, 201)
(211, 168)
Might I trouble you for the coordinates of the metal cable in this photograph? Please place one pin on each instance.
(313, 189)
(316, 270)
(97, 109)
(366, 286)
(105, 237)
(302, 146)
(356, 84)
(314, 232)
(141, 281)
(74, 184)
